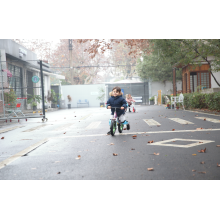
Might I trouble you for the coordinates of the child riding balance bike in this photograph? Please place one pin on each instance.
(118, 105)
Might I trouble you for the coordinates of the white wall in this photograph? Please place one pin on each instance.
(167, 87)
(89, 92)
(213, 83)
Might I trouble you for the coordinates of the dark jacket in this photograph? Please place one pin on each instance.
(117, 101)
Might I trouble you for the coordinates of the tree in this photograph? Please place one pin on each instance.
(80, 74)
(188, 51)
(151, 67)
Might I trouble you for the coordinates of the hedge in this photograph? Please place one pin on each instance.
(199, 100)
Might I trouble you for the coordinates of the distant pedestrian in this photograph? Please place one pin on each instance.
(129, 100)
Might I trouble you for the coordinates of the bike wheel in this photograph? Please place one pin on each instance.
(120, 127)
(113, 128)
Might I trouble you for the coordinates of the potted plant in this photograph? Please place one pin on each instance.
(152, 100)
(53, 99)
(168, 105)
(10, 98)
(69, 99)
(101, 96)
(33, 100)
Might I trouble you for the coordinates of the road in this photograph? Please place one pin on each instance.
(73, 145)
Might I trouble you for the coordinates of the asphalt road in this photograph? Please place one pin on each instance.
(73, 145)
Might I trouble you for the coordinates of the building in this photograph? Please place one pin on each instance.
(199, 76)
(19, 67)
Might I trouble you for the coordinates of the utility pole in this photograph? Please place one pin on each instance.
(71, 59)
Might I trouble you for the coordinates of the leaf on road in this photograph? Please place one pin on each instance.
(157, 154)
(134, 136)
(203, 172)
(158, 125)
(150, 142)
(64, 133)
(217, 145)
(194, 154)
(59, 173)
(196, 115)
(114, 154)
(150, 169)
(193, 170)
(78, 158)
(202, 150)
(200, 142)
(173, 129)
(204, 119)
(202, 162)
(124, 141)
(147, 135)
(111, 144)
(2, 138)
(218, 165)
(124, 128)
(199, 128)
(132, 149)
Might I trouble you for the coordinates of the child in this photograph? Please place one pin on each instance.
(129, 100)
(116, 100)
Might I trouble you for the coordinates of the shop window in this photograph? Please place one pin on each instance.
(203, 80)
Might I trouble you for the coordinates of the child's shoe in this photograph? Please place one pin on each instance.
(125, 122)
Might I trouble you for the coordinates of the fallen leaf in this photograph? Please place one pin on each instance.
(217, 145)
(196, 115)
(132, 149)
(199, 128)
(157, 154)
(218, 165)
(78, 158)
(194, 154)
(193, 170)
(124, 128)
(111, 144)
(115, 154)
(174, 141)
(124, 141)
(202, 172)
(150, 169)
(2, 138)
(150, 142)
(59, 173)
(147, 135)
(202, 162)
(202, 151)
(200, 142)
(134, 136)
(204, 119)
(64, 133)
(173, 129)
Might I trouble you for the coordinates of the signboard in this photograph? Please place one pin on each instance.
(35, 79)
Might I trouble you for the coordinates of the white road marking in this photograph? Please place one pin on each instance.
(21, 153)
(150, 132)
(10, 129)
(83, 118)
(209, 119)
(35, 128)
(151, 122)
(197, 142)
(93, 125)
(63, 127)
(181, 121)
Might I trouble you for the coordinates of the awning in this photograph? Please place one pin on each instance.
(9, 74)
